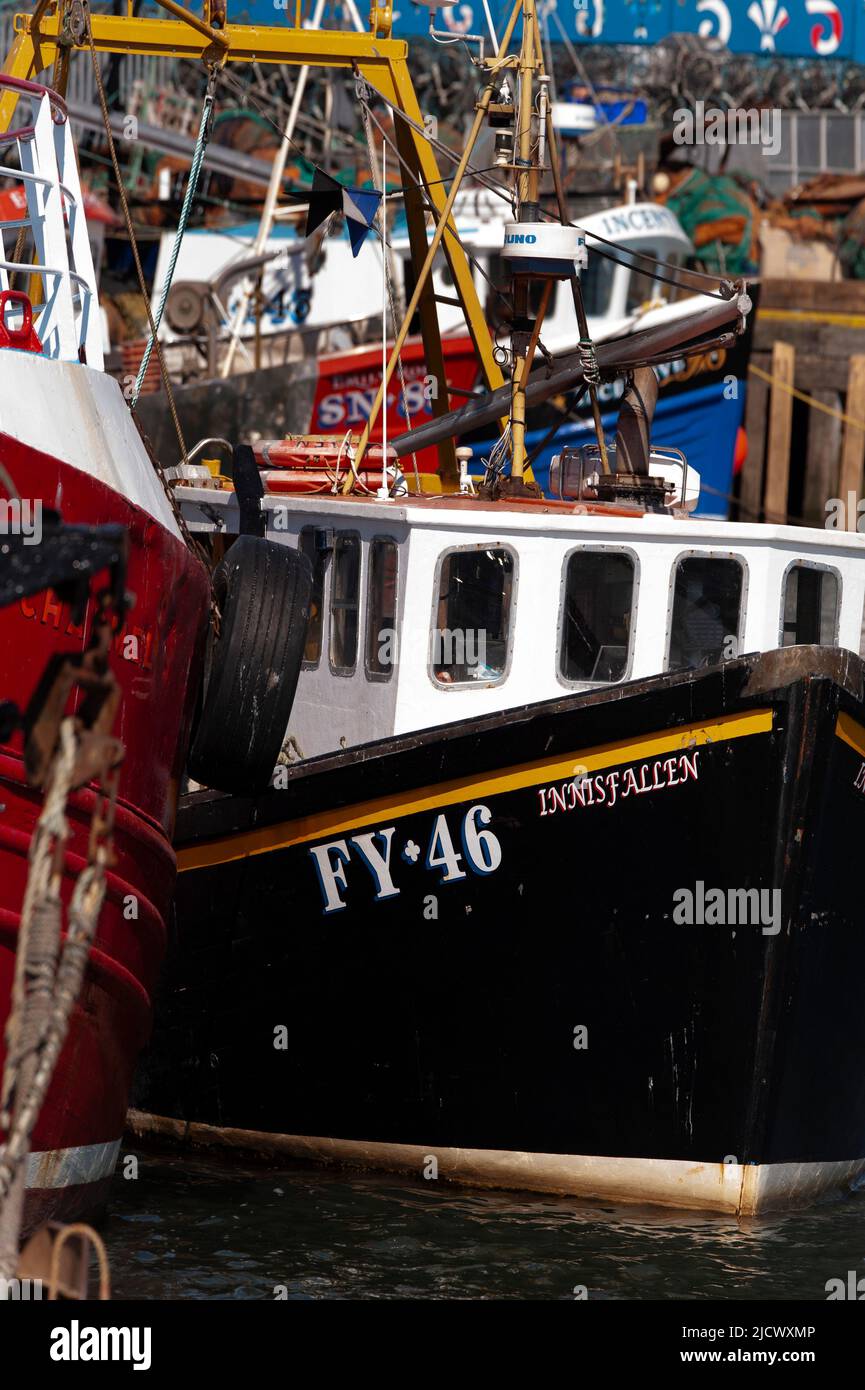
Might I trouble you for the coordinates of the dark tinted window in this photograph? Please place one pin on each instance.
(470, 640)
(810, 607)
(596, 616)
(318, 559)
(641, 285)
(344, 600)
(597, 283)
(706, 611)
(381, 609)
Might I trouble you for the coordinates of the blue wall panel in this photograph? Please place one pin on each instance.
(785, 28)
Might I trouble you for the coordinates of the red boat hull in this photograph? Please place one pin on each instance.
(157, 661)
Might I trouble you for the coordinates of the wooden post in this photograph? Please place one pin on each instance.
(780, 432)
(853, 448)
(756, 413)
(821, 458)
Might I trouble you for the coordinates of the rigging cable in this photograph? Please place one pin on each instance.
(360, 88)
(133, 244)
(188, 199)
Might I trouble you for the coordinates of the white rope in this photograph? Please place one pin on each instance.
(48, 981)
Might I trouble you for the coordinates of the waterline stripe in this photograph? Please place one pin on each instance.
(73, 1167)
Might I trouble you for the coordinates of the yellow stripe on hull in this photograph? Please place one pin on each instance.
(850, 732)
(296, 832)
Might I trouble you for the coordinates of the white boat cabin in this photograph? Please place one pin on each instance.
(346, 290)
(618, 296)
(432, 609)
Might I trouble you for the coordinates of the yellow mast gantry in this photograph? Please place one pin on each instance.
(56, 29)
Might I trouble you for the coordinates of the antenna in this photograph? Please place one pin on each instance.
(454, 35)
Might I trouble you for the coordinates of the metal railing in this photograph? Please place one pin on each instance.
(67, 318)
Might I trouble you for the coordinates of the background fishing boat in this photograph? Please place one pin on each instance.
(323, 318)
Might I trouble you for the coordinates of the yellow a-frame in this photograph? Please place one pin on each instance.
(57, 28)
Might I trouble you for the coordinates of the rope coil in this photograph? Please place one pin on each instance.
(589, 361)
(49, 973)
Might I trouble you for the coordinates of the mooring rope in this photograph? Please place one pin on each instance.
(48, 974)
(803, 396)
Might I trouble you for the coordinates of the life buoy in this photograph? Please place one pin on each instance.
(263, 591)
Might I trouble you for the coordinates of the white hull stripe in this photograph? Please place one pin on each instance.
(72, 1167)
(741, 1189)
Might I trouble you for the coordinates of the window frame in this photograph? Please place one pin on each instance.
(443, 686)
(613, 282)
(810, 565)
(325, 595)
(633, 555)
(637, 275)
(345, 672)
(380, 677)
(697, 554)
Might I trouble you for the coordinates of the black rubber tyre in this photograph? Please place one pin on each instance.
(263, 593)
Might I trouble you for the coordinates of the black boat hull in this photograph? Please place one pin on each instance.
(461, 952)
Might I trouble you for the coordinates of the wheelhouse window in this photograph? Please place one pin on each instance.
(473, 616)
(597, 285)
(317, 556)
(597, 616)
(642, 285)
(381, 610)
(810, 612)
(344, 604)
(707, 610)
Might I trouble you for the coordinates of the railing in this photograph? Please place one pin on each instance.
(67, 319)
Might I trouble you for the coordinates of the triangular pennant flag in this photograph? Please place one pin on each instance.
(357, 233)
(325, 197)
(361, 204)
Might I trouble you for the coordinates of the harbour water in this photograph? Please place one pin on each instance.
(196, 1227)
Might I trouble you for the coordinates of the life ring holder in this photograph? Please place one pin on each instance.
(24, 338)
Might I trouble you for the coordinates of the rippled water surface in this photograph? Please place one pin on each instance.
(192, 1227)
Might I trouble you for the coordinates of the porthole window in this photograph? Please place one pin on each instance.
(597, 617)
(472, 621)
(707, 611)
(317, 557)
(344, 604)
(381, 609)
(810, 607)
